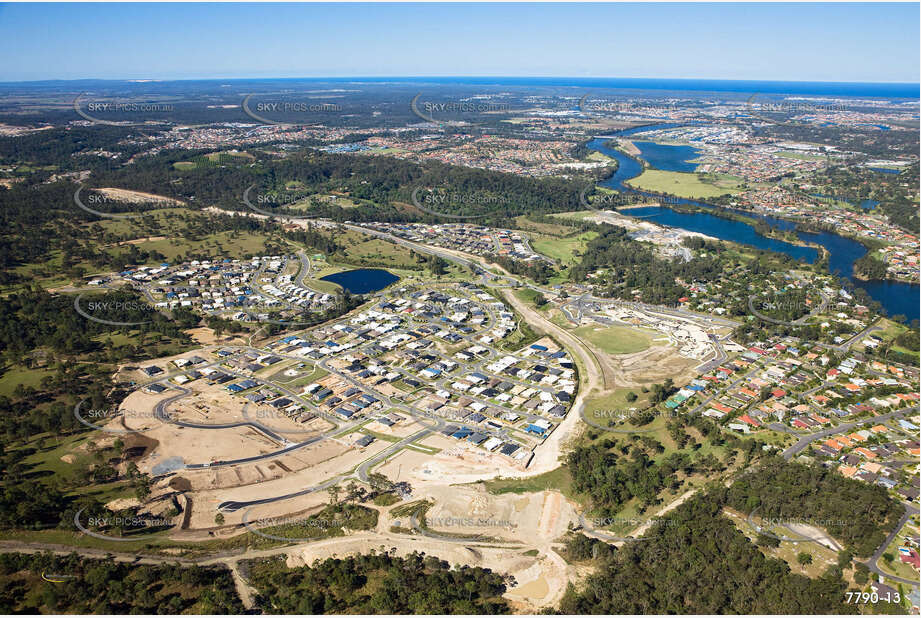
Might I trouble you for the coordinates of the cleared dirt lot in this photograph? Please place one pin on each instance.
(652, 365)
(324, 468)
(540, 580)
(197, 446)
(126, 195)
(457, 462)
(534, 519)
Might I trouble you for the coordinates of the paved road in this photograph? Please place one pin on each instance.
(717, 393)
(873, 562)
(806, 440)
(718, 359)
(802, 320)
(229, 506)
(161, 414)
(364, 470)
(844, 347)
(477, 267)
(430, 422)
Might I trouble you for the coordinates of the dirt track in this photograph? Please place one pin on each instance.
(546, 457)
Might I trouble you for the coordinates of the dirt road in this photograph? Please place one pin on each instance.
(546, 457)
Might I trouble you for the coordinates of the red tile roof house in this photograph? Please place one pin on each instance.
(745, 418)
(800, 424)
(778, 393)
(911, 557)
(845, 441)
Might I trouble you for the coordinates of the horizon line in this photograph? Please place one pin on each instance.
(405, 77)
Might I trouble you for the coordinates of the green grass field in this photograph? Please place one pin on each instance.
(617, 399)
(363, 249)
(529, 296)
(578, 214)
(598, 156)
(546, 229)
(223, 243)
(555, 479)
(565, 250)
(890, 330)
(161, 230)
(17, 375)
(682, 184)
(616, 339)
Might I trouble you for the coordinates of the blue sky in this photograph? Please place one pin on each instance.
(797, 42)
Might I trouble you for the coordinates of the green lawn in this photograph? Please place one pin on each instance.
(682, 184)
(529, 296)
(546, 229)
(890, 330)
(49, 458)
(616, 339)
(563, 249)
(316, 374)
(578, 214)
(229, 244)
(222, 156)
(613, 405)
(365, 250)
(555, 479)
(17, 375)
(897, 567)
(598, 156)
(616, 399)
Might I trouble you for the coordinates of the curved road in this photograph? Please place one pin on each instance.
(161, 414)
(873, 562)
(807, 440)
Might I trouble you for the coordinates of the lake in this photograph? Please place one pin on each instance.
(363, 280)
(667, 157)
(896, 297)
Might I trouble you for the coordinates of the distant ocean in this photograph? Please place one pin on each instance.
(742, 88)
(845, 89)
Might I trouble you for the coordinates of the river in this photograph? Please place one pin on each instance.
(896, 297)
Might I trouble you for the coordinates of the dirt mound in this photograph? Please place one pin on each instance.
(180, 484)
(137, 446)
